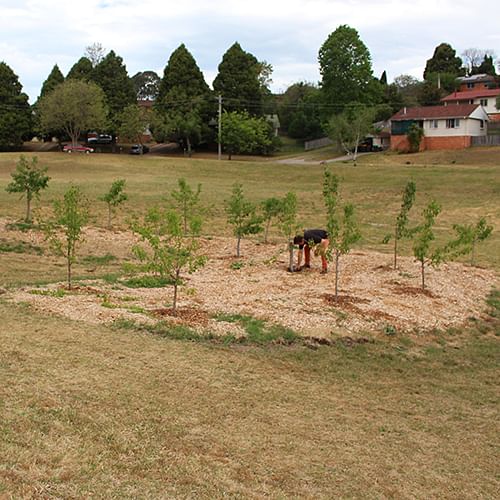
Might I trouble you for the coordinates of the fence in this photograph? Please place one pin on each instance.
(486, 140)
(317, 143)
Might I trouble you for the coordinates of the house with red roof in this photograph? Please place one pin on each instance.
(449, 126)
(485, 97)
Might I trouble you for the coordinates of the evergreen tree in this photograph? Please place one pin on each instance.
(383, 78)
(146, 85)
(53, 80)
(111, 75)
(81, 70)
(238, 81)
(444, 60)
(182, 106)
(346, 70)
(15, 112)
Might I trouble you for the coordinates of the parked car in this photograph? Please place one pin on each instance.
(78, 148)
(100, 139)
(138, 149)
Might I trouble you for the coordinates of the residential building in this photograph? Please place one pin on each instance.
(445, 127)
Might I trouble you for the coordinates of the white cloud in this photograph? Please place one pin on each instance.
(401, 35)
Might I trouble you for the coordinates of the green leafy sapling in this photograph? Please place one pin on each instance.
(187, 202)
(271, 209)
(343, 231)
(424, 236)
(401, 229)
(468, 236)
(65, 230)
(242, 215)
(169, 250)
(415, 135)
(28, 179)
(114, 197)
(288, 223)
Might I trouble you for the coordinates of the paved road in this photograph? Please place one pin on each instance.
(303, 161)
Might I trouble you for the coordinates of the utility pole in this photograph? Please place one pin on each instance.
(220, 129)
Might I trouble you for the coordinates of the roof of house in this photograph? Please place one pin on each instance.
(476, 78)
(435, 112)
(471, 94)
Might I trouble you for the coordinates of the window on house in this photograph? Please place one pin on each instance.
(453, 123)
(433, 124)
(484, 102)
(481, 124)
(470, 85)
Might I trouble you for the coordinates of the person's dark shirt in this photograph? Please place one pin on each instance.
(315, 235)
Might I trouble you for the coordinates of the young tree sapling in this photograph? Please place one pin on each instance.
(65, 230)
(242, 216)
(288, 224)
(401, 227)
(28, 179)
(114, 197)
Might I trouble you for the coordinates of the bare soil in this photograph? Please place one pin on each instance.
(372, 295)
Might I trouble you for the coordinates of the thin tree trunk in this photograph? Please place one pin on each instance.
(176, 284)
(68, 257)
(422, 267)
(189, 147)
(395, 249)
(28, 207)
(337, 255)
(473, 253)
(291, 265)
(109, 216)
(238, 247)
(267, 230)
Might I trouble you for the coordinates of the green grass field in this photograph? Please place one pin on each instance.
(94, 411)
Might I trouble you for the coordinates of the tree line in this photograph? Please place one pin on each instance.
(98, 94)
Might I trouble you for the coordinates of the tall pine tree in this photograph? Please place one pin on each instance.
(15, 112)
(238, 81)
(182, 105)
(81, 70)
(111, 75)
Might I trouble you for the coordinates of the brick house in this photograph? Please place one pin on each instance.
(445, 127)
(485, 97)
(477, 82)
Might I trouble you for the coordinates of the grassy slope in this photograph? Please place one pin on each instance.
(121, 414)
(88, 411)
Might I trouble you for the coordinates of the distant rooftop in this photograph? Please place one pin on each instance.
(476, 78)
(435, 112)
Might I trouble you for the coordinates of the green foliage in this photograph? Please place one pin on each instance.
(28, 179)
(53, 80)
(133, 122)
(287, 223)
(401, 228)
(415, 135)
(15, 113)
(271, 209)
(65, 230)
(345, 68)
(182, 105)
(73, 106)
(468, 236)
(81, 70)
(114, 197)
(58, 293)
(349, 128)
(187, 202)
(444, 60)
(147, 281)
(424, 236)
(146, 85)
(242, 215)
(238, 81)
(170, 250)
(111, 75)
(299, 111)
(245, 134)
(237, 265)
(342, 228)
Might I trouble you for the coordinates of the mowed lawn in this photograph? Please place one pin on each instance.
(92, 411)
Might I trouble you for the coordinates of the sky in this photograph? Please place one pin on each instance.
(400, 35)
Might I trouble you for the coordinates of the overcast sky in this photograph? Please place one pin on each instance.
(400, 34)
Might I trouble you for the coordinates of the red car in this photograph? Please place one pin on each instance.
(78, 148)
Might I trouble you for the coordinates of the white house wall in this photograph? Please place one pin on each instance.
(467, 127)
